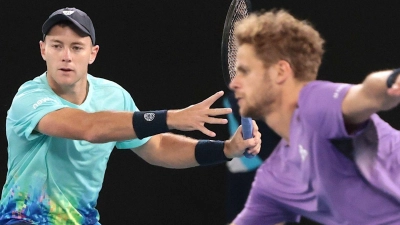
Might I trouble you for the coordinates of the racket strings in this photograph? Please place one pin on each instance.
(240, 13)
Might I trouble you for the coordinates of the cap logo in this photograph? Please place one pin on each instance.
(67, 13)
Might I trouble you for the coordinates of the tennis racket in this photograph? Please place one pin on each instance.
(238, 10)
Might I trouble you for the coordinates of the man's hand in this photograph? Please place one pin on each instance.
(236, 146)
(195, 116)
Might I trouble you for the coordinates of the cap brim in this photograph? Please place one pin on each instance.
(49, 23)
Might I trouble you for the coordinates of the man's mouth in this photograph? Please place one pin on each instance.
(66, 69)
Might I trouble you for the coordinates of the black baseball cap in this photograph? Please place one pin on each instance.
(76, 16)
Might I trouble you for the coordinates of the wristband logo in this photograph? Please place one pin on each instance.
(149, 116)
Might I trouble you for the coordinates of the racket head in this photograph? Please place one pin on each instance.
(238, 10)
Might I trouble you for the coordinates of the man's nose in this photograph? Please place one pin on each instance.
(66, 55)
(233, 83)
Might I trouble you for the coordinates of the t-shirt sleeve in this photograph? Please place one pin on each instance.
(377, 155)
(28, 108)
(260, 209)
(130, 106)
(320, 107)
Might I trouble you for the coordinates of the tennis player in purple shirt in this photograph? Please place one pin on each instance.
(337, 162)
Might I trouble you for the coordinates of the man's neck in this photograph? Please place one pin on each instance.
(75, 93)
(279, 120)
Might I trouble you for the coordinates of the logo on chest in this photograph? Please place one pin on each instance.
(303, 153)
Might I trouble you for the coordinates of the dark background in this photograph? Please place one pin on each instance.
(167, 55)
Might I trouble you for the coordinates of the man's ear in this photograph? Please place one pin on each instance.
(42, 47)
(93, 53)
(284, 70)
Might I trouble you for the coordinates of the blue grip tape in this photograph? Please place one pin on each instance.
(247, 132)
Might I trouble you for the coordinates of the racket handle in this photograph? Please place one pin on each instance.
(247, 132)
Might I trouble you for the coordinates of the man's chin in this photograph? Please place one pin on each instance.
(65, 82)
(244, 113)
(249, 114)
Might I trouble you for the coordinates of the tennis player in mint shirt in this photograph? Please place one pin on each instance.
(62, 126)
(63, 174)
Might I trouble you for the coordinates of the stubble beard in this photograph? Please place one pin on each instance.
(262, 104)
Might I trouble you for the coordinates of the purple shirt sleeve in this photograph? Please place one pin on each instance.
(320, 105)
(377, 155)
(260, 209)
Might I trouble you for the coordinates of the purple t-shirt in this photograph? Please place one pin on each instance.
(356, 183)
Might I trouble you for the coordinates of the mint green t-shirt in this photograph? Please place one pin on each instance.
(53, 180)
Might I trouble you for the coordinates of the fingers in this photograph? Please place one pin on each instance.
(394, 90)
(255, 149)
(219, 111)
(195, 116)
(206, 131)
(210, 100)
(253, 145)
(206, 104)
(236, 145)
(255, 127)
(255, 142)
(212, 120)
